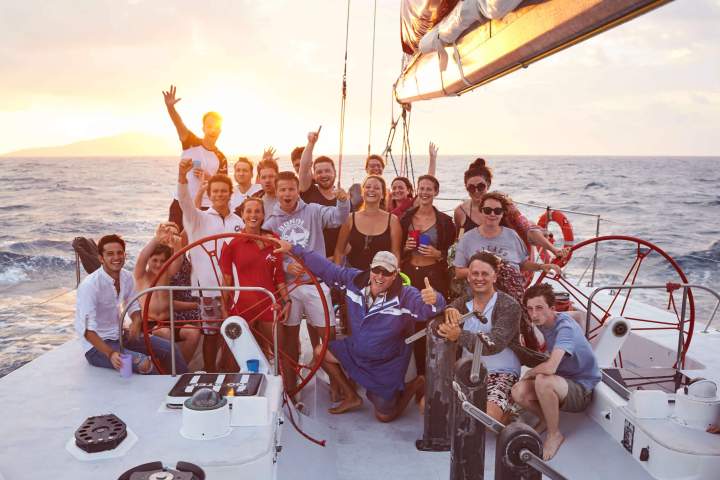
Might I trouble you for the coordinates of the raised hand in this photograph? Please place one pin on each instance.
(269, 154)
(314, 136)
(428, 294)
(341, 194)
(432, 150)
(169, 97)
(186, 164)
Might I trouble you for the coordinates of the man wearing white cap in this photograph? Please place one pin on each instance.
(382, 312)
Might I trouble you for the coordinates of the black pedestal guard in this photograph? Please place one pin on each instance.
(467, 445)
(439, 395)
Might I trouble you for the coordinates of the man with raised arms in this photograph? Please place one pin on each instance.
(207, 159)
(199, 224)
(566, 380)
(499, 320)
(382, 313)
(302, 224)
(100, 298)
(147, 267)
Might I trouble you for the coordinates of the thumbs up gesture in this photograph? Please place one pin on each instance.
(429, 295)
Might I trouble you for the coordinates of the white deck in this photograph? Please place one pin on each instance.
(47, 399)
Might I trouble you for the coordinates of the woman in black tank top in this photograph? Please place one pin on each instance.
(360, 231)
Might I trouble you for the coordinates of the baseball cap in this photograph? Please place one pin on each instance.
(386, 260)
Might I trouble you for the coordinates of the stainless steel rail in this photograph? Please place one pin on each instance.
(685, 287)
(171, 310)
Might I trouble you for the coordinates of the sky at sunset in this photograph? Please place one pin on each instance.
(81, 69)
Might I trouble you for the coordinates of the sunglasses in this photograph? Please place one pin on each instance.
(476, 187)
(381, 271)
(488, 210)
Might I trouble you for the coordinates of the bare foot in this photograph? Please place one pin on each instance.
(336, 394)
(552, 444)
(346, 405)
(713, 429)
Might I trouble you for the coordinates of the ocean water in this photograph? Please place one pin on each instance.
(46, 202)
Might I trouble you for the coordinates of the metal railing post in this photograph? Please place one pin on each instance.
(595, 255)
(681, 336)
(712, 317)
(171, 308)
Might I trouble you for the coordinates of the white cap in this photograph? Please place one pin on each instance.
(386, 260)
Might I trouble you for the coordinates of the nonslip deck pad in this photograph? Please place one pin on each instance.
(226, 384)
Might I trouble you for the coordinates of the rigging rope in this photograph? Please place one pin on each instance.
(344, 97)
(372, 78)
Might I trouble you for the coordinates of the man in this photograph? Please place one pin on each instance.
(499, 320)
(318, 185)
(295, 158)
(205, 270)
(267, 172)
(100, 298)
(566, 380)
(245, 187)
(147, 267)
(302, 224)
(202, 151)
(382, 313)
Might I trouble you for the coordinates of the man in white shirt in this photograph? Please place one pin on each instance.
(207, 158)
(101, 297)
(199, 224)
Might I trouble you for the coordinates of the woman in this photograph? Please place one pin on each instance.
(401, 196)
(370, 230)
(494, 236)
(147, 267)
(255, 265)
(478, 178)
(428, 234)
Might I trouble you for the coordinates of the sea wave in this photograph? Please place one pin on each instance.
(14, 208)
(16, 268)
(37, 245)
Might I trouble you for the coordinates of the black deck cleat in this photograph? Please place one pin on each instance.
(100, 433)
(156, 471)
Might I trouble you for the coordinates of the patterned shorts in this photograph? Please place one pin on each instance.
(498, 389)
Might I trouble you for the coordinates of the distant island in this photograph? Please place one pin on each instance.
(126, 144)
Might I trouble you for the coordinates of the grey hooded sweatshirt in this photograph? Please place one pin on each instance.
(304, 226)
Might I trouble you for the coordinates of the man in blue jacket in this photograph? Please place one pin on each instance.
(382, 313)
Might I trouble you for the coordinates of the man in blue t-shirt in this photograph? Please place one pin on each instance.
(566, 380)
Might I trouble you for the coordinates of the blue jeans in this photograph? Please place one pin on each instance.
(138, 350)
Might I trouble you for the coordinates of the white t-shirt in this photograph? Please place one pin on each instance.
(238, 197)
(98, 305)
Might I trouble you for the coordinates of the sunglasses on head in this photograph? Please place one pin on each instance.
(488, 210)
(381, 271)
(476, 187)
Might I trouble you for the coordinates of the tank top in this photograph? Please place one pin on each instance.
(431, 233)
(469, 223)
(364, 247)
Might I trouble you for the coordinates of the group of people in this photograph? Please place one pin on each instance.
(356, 244)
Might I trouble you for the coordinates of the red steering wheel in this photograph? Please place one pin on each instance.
(304, 372)
(638, 253)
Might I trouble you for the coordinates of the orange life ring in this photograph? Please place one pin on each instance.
(567, 231)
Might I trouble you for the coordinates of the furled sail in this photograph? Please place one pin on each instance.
(478, 41)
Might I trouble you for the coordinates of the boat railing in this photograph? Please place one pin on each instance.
(171, 310)
(686, 287)
(548, 210)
